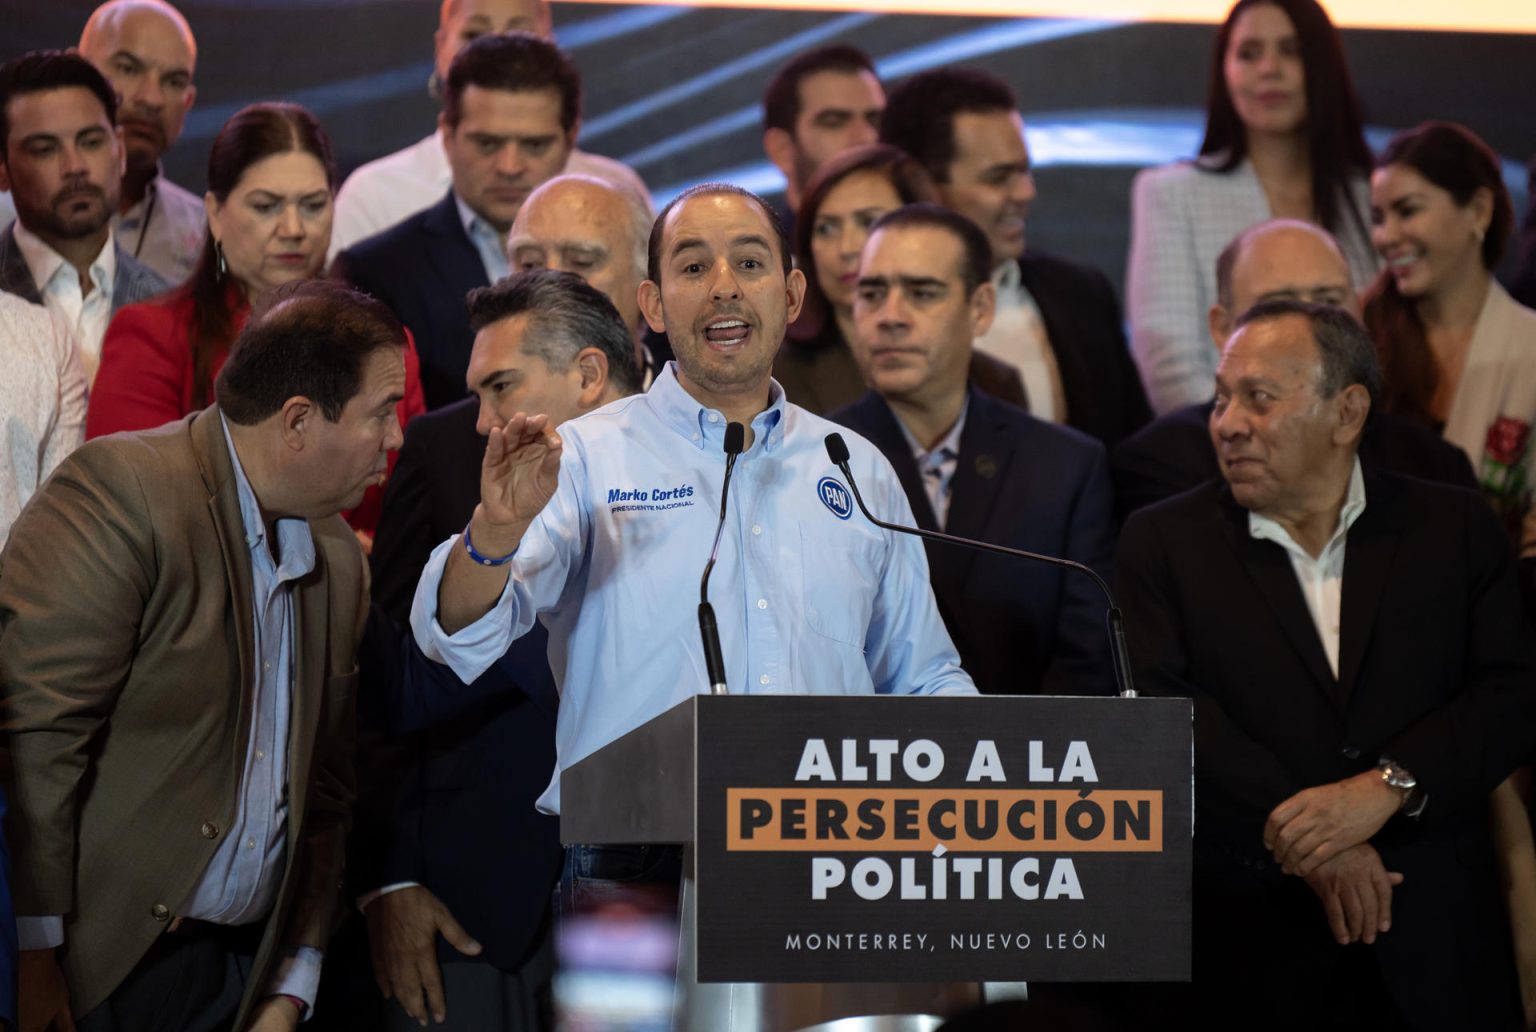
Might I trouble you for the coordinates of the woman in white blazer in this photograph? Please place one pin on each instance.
(1457, 351)
(1283, 137)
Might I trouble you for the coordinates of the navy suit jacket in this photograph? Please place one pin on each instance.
(422, 269)
(1020, 627)
(1105, 398)
(454, 769)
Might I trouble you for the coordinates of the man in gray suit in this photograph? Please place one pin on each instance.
(61, 156)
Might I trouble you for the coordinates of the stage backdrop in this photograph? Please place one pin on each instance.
(674, 90)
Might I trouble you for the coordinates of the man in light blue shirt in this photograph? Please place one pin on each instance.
(604, 528)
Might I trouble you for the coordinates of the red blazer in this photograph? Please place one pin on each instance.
(145, 377)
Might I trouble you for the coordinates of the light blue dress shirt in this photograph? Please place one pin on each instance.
(811, 598)
(490, 246)
(938, 464)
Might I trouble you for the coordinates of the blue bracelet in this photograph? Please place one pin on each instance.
(484, 560)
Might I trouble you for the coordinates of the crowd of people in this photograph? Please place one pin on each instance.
(263, 765)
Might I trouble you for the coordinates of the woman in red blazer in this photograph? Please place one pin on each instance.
(271, 181)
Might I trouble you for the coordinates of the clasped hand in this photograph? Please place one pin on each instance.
(1317, 824)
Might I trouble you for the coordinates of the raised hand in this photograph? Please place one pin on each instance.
(517, 479)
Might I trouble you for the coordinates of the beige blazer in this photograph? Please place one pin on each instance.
(1499, 379)
(125, 690)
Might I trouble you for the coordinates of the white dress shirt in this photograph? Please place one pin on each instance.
(84, 314)
(1017, 336)
(1322, 576)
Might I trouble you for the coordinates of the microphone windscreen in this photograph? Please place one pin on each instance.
(735, 438)
(837, 451)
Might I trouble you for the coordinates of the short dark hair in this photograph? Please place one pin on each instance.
(515, 62)
(41, 70)
(976, 249)
(565, 314)
(1344, 348)
(653, 247)
(781, 100)
(308, 338)
(920, 112)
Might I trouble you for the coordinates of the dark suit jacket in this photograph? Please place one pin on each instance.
(1174, 453)
(1020, 627)
(133, 282)
(1437, 671)
(126, 670)
(422, 269)
(1104, 395)
(468, 760)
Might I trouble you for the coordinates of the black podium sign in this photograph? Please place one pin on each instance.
(935, 839)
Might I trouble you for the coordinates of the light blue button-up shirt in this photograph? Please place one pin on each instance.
(489, 245)
(811, 598)
(241, 882)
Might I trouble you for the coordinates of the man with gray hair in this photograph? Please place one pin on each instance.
(584, 225)
(1362, 678)
(544, 341)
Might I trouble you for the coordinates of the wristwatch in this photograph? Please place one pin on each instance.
(1395, 775)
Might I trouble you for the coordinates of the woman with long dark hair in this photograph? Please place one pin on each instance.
(1283, 138)
(1457, 352)
(271, 181)
(841, 202)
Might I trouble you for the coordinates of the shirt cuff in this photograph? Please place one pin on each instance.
(368, 897)
(472, 650)
(39, 933)
(297, 974)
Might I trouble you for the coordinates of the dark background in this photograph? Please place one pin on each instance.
(674, 91)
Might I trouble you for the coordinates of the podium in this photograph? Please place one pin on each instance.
(909, 841)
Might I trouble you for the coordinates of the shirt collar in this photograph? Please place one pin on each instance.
(295, 543)
(705, 427)
(950, 440)
(133, 214)
(1264, 528)
(473, 224)
(1008, 276)
(45, 263)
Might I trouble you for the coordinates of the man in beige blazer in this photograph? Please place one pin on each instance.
(179, 612)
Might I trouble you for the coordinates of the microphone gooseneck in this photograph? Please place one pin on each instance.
(837, 451)
(709, 631)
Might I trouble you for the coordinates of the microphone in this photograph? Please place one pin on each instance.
(714, 665)
(837, 451)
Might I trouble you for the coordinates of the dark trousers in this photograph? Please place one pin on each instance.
(191, 980)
